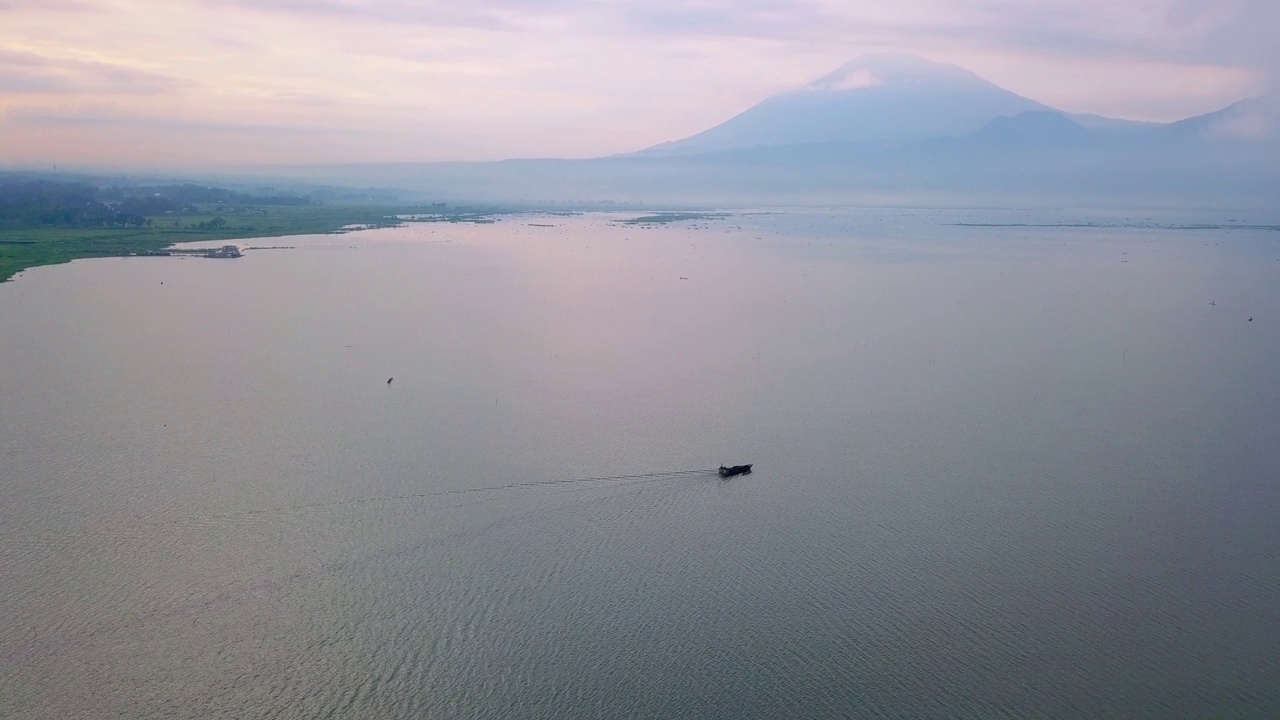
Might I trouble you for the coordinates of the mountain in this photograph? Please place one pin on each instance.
(1256, 119)
(875, 98)
(895, 129)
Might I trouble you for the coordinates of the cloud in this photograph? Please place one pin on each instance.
(24, 71)
(508, 15)
(1226, 32)
(112, 135)
(755, 19)
(751, 19)
(1192, 31)
(107, 116)
(21, 83)
(16, 7)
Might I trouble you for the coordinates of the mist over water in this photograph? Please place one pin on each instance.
(999, 470)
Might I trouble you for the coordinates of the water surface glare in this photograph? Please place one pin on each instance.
(999, 472)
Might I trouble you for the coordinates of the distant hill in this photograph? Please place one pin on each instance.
(1040, 128)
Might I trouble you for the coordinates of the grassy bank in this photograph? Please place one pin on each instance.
(25, 248)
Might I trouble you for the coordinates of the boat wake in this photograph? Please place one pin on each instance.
(602, 479)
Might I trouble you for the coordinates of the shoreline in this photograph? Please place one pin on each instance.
(23, 249)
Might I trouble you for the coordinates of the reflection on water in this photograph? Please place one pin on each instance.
(998, 470)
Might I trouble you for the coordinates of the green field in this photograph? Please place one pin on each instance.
(25, 248)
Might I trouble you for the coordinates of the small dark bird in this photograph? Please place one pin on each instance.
(390, 379)
(1250, 319)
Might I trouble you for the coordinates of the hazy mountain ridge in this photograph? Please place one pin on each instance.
(1255, 119)
(894, 128)
(894, 98)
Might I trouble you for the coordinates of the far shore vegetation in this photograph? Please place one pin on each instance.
(46, 222)
(663, 218)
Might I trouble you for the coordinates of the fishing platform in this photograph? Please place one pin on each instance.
(226, 251)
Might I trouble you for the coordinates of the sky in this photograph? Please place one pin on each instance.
(187, 83)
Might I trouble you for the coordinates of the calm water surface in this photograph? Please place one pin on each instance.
(1000, 472)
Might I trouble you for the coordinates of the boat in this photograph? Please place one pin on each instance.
(735, 470)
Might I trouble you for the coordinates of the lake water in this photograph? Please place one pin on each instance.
(999, 472)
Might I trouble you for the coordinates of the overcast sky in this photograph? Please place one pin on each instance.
(192, 82)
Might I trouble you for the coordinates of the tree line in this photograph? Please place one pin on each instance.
(30, 203)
